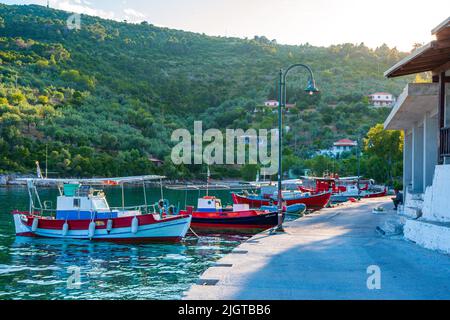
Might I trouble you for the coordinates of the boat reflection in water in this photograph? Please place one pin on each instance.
(41, 268)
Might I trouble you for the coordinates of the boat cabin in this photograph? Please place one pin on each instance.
(209, 204)
(79, 202)
(213, 204)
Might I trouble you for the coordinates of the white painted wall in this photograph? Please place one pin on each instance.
(436, 205)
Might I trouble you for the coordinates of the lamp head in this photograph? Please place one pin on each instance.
(311, 88)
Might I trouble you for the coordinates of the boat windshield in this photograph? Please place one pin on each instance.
(100, 204)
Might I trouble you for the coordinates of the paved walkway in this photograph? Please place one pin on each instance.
(326, 256)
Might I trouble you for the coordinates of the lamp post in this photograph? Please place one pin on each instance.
(311, 89)
(359, 168)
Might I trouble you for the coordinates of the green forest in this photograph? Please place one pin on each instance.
(104, 99)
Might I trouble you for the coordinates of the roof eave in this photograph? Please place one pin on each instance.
(390, 72)
(444, 24)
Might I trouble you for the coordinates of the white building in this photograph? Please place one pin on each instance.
(423, 113)
(382, 99)
(339, 147)
(271, 103)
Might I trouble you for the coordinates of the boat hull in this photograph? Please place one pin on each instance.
(316, 201)
(292, 209)
(342, 197)
(171, 229)
(246, 222)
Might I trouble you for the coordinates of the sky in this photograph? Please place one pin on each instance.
(398, 23)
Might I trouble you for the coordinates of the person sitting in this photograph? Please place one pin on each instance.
(398, 199)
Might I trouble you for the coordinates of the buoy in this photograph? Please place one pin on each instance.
(134, 225)
(65, 229)
(35, 224)
(92, 226)
(109, 225)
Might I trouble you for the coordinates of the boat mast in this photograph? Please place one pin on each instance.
(145, 196)
(208, 175)
(46, 160)
(123, 198)
(30, 194)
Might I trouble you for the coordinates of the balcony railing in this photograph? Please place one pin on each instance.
(445, 142)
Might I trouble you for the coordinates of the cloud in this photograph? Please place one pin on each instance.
(82, 6)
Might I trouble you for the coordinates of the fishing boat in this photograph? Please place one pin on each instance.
(344, 189)
(82, 212)
(211, 217)
(299, 208)
(268, 196)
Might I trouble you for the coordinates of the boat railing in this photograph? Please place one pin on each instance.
(44, 211)
(144, 209)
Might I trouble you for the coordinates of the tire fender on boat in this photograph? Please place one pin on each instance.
(65, 229)
(109, 225)
(134, 225)
(92, 226)
(35, 224)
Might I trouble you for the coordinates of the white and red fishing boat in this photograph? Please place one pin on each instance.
(82, 212)
(211, 217)
(269, 196)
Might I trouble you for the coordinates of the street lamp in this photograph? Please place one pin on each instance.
(359, 167)
(311, 89)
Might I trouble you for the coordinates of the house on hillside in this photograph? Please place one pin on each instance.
(423, 113)
(271, 103)
(157, 162)
(382, 99)
(339, 147)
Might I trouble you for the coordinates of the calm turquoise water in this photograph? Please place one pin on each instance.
(40, 268)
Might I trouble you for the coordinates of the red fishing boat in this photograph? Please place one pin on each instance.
(345, 188)
(268, 196)
(211, 217)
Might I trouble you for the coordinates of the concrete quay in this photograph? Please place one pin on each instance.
(336, 253)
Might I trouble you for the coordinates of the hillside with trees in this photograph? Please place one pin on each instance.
(105, 98)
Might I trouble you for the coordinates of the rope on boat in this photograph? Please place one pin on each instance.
(193, 232)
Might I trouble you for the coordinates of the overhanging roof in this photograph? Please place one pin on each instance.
(442, 31)
(427, 58)
(416, 100)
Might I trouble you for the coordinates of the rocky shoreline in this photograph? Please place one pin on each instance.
(12, 180)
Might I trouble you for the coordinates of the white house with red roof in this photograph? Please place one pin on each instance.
(343, 145)
(382, 99)
(339, 147)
